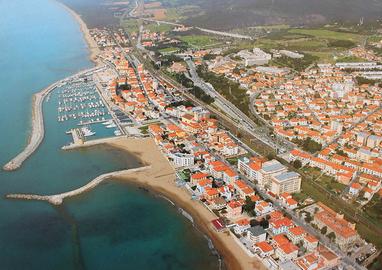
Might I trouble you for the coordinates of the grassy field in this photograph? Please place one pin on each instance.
(130, 25)
(350, 59)
(327, 34)
(198, 41)
(154, 27)
(168, 50)
(323, 43)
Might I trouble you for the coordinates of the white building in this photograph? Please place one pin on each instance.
(286, 182)
(182, 160)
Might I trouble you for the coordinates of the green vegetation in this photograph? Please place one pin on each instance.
(374, 209)
(308, 145)
(300, 197)
(362, 80)
(327, 34)
(349, 59)
(198, 41)
(130, 25)
(182, 79)
(229, 89)
(297, 164)
(168, 50)
(369, 232)
(200, 94)
(296, 64)
(342, 43)
(167, 60)
(154, 27)
(249, 206)
(330, 184)
(144, 130)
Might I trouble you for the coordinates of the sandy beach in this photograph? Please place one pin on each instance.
(161, 179)
(92, 45)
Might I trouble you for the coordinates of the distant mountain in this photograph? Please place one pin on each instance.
(223, 14)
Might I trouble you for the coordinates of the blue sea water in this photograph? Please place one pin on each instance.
(115, 226)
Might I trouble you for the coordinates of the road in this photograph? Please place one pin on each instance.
(219, 33)
(230, 109)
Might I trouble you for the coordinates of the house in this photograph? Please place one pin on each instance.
(310, 242)
(288, 201)
(243, 189)
(355, 188)
(250, 167)
(256, 234)
(263, 208)
(242, 225)
(196, 177)
(296, 234)
(287, 251)
(218, 203)
(310, 261)
(234, 209)
(203, 184)
(280, 226)
(330, 259)
(264, 249)
(211, 193)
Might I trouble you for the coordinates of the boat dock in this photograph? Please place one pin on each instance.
(82, 143)
(37, 132)
(58, 199)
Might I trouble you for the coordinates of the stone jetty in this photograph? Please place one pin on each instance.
(37, 132)
(58, 199)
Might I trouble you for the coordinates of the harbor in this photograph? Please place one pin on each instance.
(38, 130)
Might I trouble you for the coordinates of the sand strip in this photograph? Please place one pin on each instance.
(94, 51)
(161, 179)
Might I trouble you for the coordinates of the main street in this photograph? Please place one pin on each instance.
(231, 110)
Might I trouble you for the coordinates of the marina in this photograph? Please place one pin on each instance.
(82, 108)
(38, 129)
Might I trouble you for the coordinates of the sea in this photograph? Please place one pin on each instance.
(116, 225)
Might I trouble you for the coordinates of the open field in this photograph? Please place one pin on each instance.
(327, 34)
(199, 40)
(154, 27)
(168, 50)
(130, 25)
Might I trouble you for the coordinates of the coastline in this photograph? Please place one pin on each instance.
(94, 51)
(161, 180)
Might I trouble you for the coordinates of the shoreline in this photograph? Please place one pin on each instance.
(37, 132)
(160, 180)
(93, 49)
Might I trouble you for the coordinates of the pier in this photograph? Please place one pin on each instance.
(37, 132)
(58, 199)
(77, 143)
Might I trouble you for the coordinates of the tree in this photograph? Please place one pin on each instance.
(324, 230)
(332, 236)
(297, 164)
(264, 223)
(312, 146)
(249, 206)
(308, 218)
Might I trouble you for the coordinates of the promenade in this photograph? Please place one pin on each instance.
(37, 132)
(58, 199)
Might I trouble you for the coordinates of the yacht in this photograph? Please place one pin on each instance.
(87, 131)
